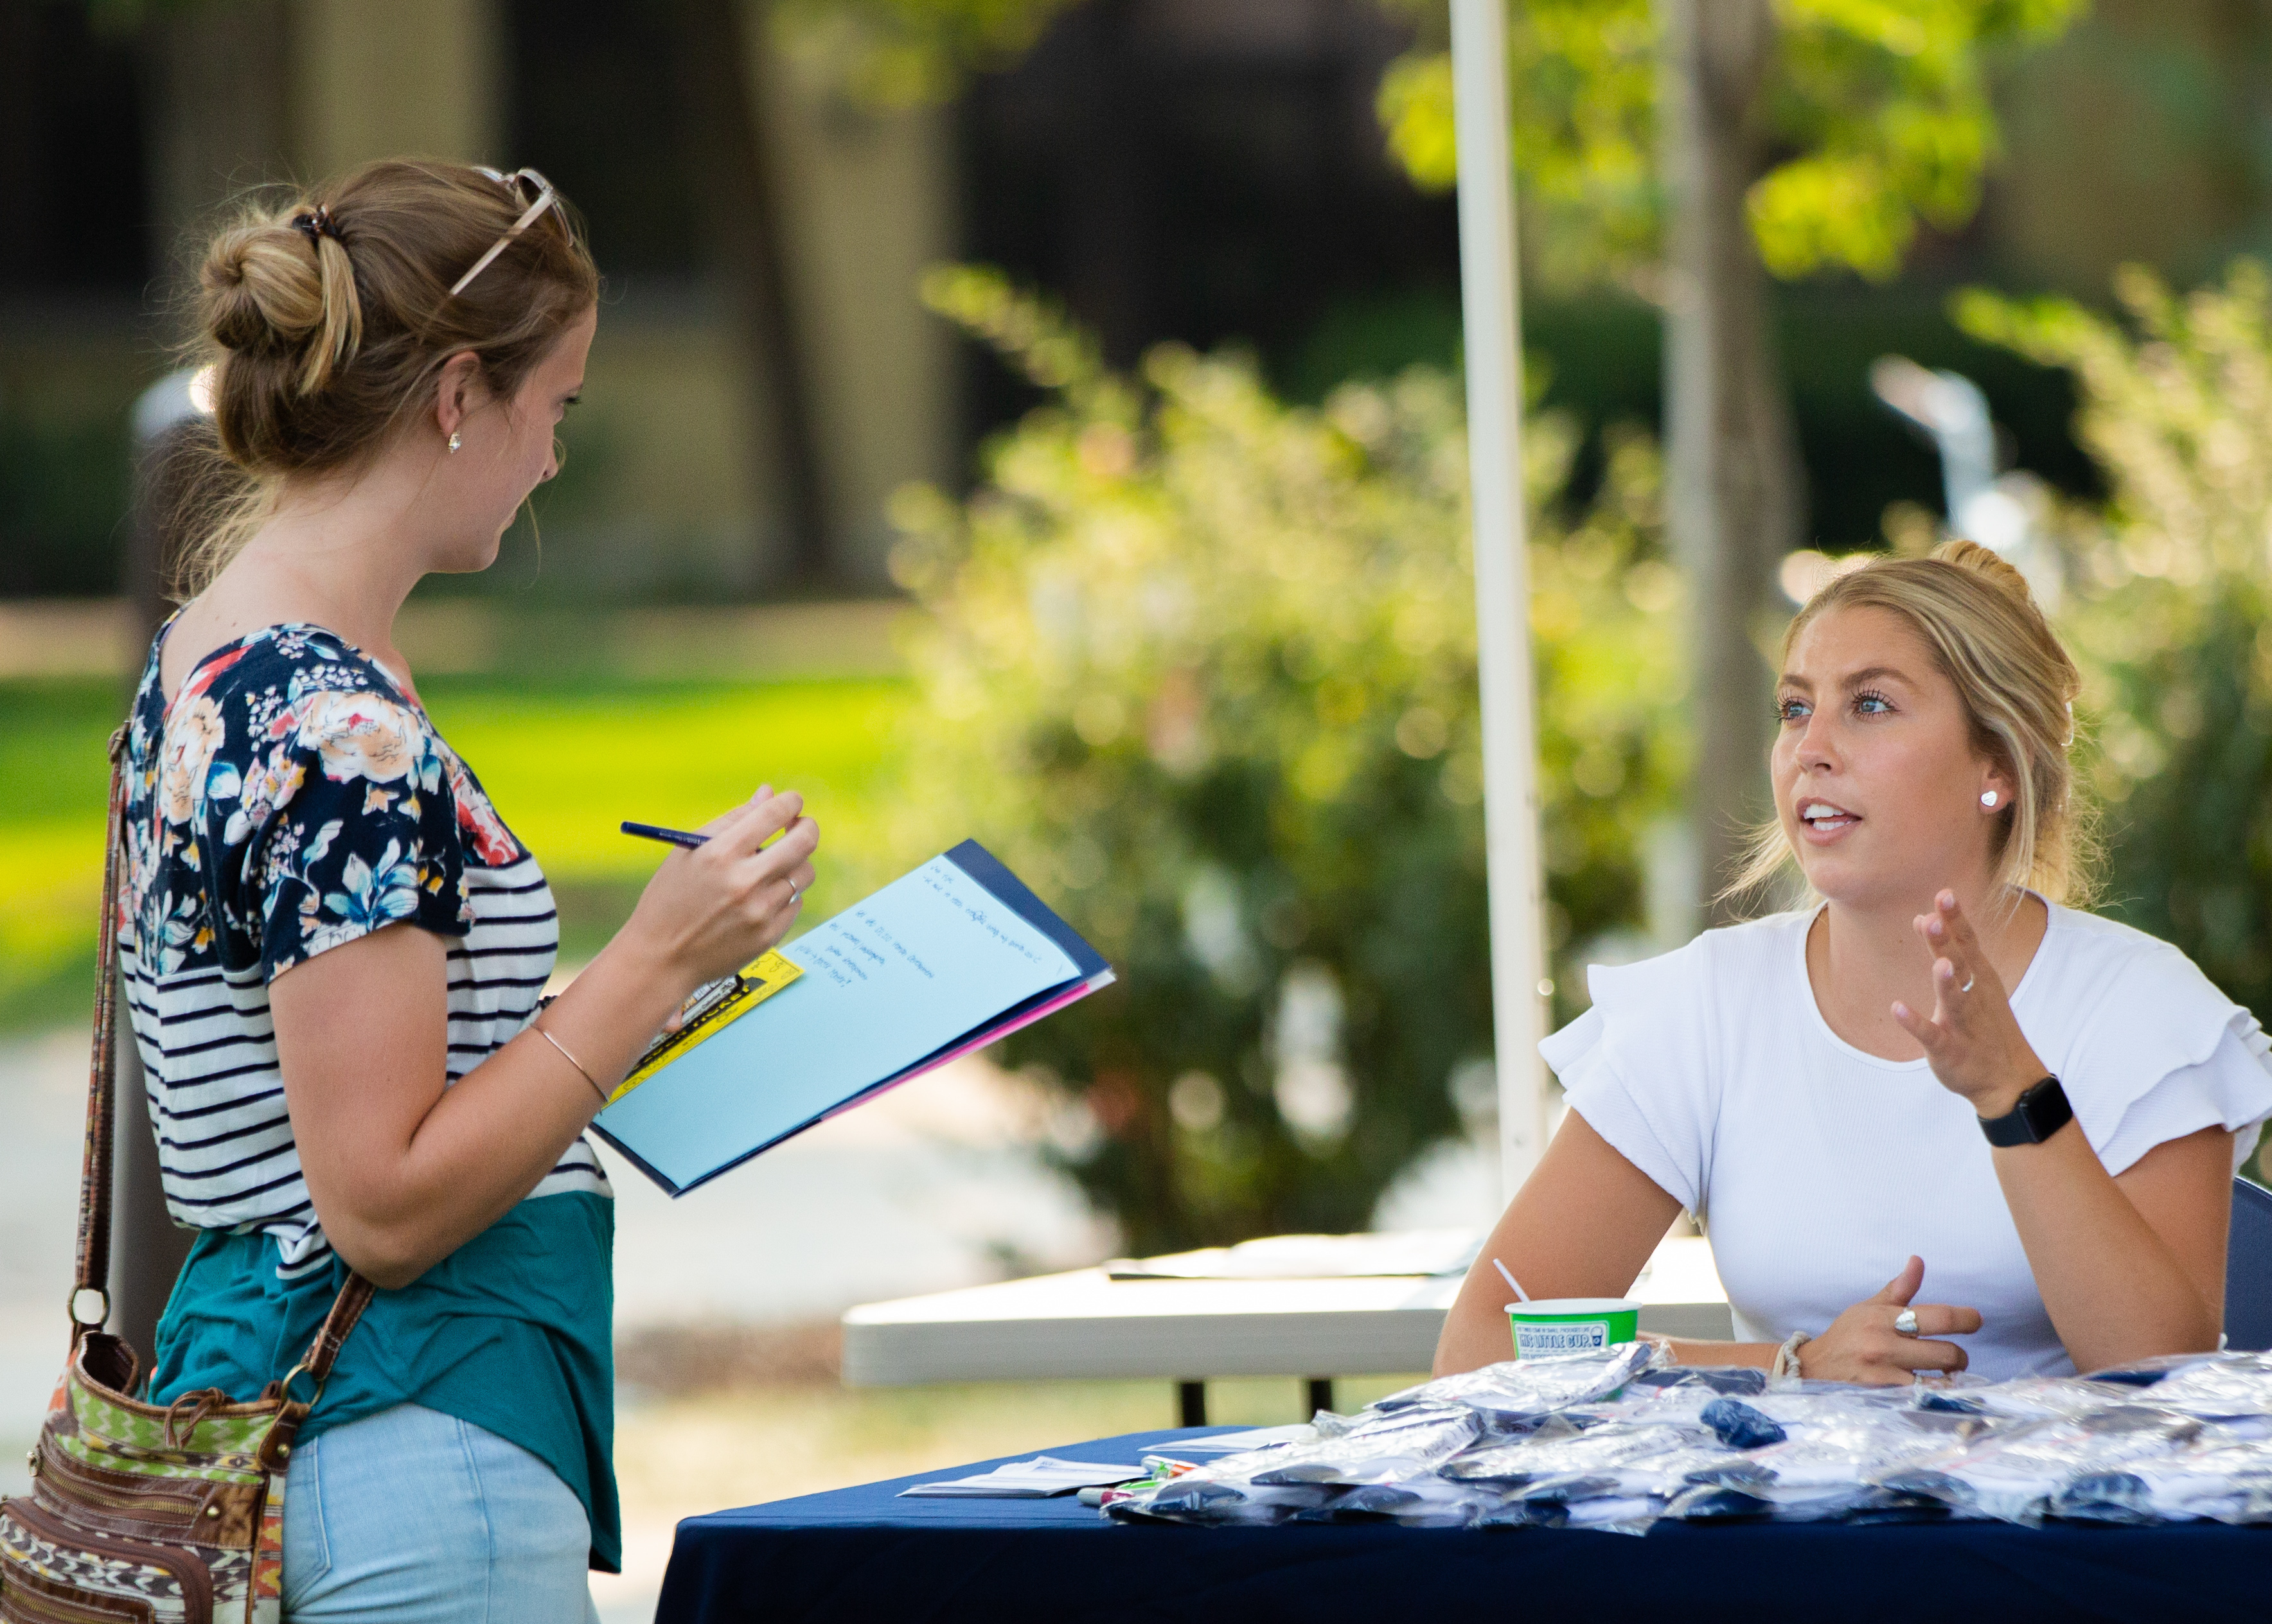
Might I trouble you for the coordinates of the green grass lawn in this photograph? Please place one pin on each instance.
(564, 760)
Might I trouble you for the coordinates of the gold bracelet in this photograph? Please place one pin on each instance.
(572, 1059)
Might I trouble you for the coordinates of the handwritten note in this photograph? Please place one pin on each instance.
(896, 978)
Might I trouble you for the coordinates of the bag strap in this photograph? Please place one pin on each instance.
(93, 1261)
(275, 1451)
(92, 1270)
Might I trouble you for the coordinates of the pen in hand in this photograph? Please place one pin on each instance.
(686, 838)
(673, 836)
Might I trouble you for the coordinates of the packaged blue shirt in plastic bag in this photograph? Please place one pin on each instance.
(2012, 1472)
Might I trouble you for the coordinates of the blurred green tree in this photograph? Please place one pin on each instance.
(2170, 587)
(1875, 116)
(907, 53)
(1687, 149)
(1201, 665)
(881, 53)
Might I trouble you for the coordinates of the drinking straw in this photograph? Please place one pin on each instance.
(1510, 1280)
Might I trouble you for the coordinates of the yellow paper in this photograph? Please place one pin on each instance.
(760, 978)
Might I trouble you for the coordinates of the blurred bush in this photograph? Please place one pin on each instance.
(2167, 599)
(1201, 665)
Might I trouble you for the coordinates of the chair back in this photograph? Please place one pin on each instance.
(2248, 1270)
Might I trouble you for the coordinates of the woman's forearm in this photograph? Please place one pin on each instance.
(2126, 1269)
(2114, 1288)
(402, 1170)
(493, 1137)
(1691, 1351)
(1583, 1225)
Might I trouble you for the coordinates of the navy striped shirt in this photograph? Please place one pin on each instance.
(289, 799)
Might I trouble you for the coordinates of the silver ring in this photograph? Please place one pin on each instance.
(1968, 984)
(792, 889)
(1905, 1323)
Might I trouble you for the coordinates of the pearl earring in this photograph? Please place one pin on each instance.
(455, 442)
(1988, 799)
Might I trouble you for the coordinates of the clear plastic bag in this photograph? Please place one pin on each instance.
(1607, 1515)
(1783, 1503)
(2012, 1472)
(1381, 1447)
(1312, 1481)
(1423, 1502)
(1515, 1396)
(2216, 1386)
(1675, 1397)
(1616, 1476)
(1730, 1381)
(1828, 1469)
(2024, 1398)
(1202, 1496)
(2217, 1476)
(2153, 1371)
(1628, 1458)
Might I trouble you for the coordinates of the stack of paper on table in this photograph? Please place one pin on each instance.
(1038, 1478)
(1252, 1437)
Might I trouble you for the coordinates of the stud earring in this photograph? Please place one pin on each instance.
(455, 442)
(1988, 799)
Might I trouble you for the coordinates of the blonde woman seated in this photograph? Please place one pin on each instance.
(1938, 1073)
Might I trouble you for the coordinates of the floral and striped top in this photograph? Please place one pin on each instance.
(291, 798)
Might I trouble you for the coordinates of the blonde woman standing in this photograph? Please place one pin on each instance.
(334, 945)
(1940, 1071)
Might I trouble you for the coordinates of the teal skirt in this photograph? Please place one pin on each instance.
(511, 1332)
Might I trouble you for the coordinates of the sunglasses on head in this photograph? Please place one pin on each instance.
(546, 198)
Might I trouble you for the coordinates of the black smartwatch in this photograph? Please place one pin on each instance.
(2041, 1112)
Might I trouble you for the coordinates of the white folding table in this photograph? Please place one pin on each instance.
(1086, 1324)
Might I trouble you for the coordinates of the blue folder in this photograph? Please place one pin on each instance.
(947, 957)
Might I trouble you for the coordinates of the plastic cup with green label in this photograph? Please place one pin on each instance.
(1547, 1326)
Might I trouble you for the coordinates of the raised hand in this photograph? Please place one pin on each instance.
(1971, 1039)
(1869, 1343)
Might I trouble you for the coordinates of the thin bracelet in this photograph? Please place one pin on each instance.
(570, 1059)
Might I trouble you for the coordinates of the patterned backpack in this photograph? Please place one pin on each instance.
(157, 1513)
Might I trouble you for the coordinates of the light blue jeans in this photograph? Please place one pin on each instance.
(415, 1517)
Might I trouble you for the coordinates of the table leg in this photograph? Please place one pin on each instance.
(1190, 1401)
(1321, 1394)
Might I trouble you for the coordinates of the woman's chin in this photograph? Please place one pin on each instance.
(471, 559)
(1850, 883)
(1834, 874)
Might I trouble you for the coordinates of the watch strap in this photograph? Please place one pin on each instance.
(2041, 1111)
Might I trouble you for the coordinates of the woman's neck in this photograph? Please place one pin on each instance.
(343, 557)
(1859, 960)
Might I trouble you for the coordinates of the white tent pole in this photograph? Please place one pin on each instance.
(1487, 297)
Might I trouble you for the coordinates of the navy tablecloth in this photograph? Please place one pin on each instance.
(862, 1554)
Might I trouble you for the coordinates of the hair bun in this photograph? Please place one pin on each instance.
(263, 290)
(1989, 564)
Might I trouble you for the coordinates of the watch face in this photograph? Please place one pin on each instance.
(2038, 1113)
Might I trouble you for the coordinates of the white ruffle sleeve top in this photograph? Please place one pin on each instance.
(1818, 1170)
